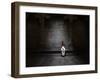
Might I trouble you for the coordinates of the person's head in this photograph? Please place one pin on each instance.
(62, 43)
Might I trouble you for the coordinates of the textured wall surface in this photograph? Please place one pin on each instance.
(46, 32)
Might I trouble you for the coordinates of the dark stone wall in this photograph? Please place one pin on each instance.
(45, 32)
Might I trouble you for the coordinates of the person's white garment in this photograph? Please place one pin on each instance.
(63, 51)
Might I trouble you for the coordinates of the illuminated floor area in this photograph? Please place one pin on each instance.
(55, 60)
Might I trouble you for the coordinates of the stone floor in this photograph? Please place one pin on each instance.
(54, 60)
